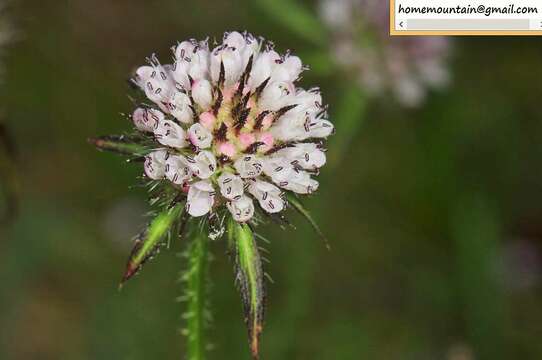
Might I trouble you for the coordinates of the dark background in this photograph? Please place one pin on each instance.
(434, 213)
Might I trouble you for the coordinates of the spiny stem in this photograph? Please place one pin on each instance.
(196, 283)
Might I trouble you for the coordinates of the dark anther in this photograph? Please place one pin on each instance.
(218, 102)
(241, 121)
(260, 88)
(244, 78)
(222, 75)
(283, 111)
(220, 134)
(276, 148)
(258, 123)
(222, 159)
(253, 147)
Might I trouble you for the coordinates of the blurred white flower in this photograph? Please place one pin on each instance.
(231, 126)
(406, 67)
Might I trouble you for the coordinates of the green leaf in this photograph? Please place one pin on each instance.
(195, 295)
(348, 120)
(147, 243)
(476, 233)
(249, 278)
(120, 144)
(296, 204)
(297, 18)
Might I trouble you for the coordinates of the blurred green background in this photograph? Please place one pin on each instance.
(434, 214)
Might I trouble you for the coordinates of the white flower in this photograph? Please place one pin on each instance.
(191, 61)
(241, 209)
(277, 95)
(248, 166)
(200, 136)
(231, 186)
(263, 68)
(307, 155)
(232, 124)
(147, 119)
(200, 198)
(300, 182)
(155, 164)
(178, 169)
(179, 107)
(268, 195)
(170, 134)
(230, 58)
(202, 92)
(205, 164)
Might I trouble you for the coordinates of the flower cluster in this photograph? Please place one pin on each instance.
(405, 66)
(230, 125)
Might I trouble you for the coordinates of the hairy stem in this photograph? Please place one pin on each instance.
(196, 284)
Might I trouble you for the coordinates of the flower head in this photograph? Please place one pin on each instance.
(230, 128)
(405, 66)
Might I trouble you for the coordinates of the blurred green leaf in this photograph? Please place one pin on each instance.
(348, 119)
(249, 278)
(320, 62)
(297, 18)
(476, 233)
(147, 243)
(121, 144)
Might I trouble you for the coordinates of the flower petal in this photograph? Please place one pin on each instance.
(242, 209)
(320, 128)
(277, 95)
(205, 164)
(268, 195)
(232, 62)
(248, 166)
(200, 136)
(178, 169)
(301, 183)
(147, 119)
(202, 93)
(307, 155)
(155, 164)
(231, 186)
(200, 198)
(179, 107)
(170, 134)
(263, 68)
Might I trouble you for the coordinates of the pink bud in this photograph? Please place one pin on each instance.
(227, 149)
(207, 119)
(246, 139)
(268, 140)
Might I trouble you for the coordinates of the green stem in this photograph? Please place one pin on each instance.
(196, 283)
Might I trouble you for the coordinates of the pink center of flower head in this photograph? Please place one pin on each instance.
(207, 119)
(268, 140)
(227, 149)
(247, 139)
